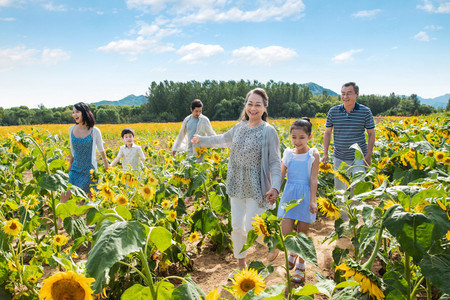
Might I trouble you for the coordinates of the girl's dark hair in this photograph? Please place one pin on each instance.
(88, 116)
(304, 124)
(261, 92)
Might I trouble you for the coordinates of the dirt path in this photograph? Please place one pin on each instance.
(211, 269)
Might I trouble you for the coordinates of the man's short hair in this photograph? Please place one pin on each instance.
(196, 103)
(126, 131)
(355, 87)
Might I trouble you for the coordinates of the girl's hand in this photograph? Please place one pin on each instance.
(313, 207)
(272, 195)
(195, 139)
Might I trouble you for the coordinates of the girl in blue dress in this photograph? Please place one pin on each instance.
(302, 166)
(85, 140)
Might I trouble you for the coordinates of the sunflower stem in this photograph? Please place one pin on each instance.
(134, 268)
(148, 275)
(416, 288)
(286, 259)
(408, 275)
(428, 289)
(369, 263)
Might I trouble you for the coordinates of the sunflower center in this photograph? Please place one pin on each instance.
(247, 285)
(13, 226)
(67, 289)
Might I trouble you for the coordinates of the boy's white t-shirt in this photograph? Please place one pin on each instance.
(131, 156)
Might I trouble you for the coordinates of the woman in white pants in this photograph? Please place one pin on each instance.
(254, 168)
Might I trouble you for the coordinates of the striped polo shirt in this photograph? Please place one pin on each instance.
(349, 128)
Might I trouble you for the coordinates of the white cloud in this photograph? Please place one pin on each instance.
(138, 46)
(11, 58)
(195, 52)
(366, 14)
(156, 31)
(274, 11)
(7, 19)
(422, 36)
(51, 7)
(394, 48)
(268, 56)
(433, 27)
(155, 5)
(7, 2)
(346, 56)
(442, 8)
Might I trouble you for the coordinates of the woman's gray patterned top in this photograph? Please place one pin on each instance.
(244, 167)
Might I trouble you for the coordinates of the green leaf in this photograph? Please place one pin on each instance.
(164, 290)
(413, 231)
(359, 155)
(362, 187)
(116, 241)
(204, 220)
(188, 290)
(439, 218)
(64, 210)
(437, 269)
(396, 285)
(137, 292)
(161, 237)
(291, 204)
(273, 292)
(302, 245)
(306, 290)
(220, 204)
(251, 238)
(123, 212)
(65, 263)
(346, 284)
(54, 182)
(75, 227)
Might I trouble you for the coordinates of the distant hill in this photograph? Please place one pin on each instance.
(128, 100)
(317, 89)
(437, 102)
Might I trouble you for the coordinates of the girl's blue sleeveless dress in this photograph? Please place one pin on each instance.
(79, 174)
(297, 186)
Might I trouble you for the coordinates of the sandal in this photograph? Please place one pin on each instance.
(272, 255)
(299, 276)
(292, 259)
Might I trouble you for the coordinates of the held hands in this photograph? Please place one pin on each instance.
(195, 139)
(272, 195)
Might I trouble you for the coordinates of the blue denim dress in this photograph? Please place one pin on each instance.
(79, 174)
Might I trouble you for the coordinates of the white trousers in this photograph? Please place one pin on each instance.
(242, 213)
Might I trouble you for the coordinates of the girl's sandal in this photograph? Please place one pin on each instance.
(299, 276)
(292, 259)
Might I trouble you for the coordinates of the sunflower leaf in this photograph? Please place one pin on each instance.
(116, 241)
(302, 245)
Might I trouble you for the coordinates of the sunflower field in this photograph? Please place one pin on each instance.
(139, 234)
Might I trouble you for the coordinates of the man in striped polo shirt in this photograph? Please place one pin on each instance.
(349, 120)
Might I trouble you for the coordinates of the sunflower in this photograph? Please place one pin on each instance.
(60, 240)
(440, 155)
(175, 201)
(168, 161)
(67, 252)
(152, 181)
(12, 266)
(342, 178)
(325, 168)
(129, 179)
(195, 236)
(379, 180)
(12, 227)
(367, 280)
(382, 163)
(156, 143)
(172, 215)
(122, 200)
(147, 192)
(106, 191)
(328, 208)
(446, 160)
(415, 121)
(67, 285)
(246, 280)
(165, 204)
(260, 226)
(213, 295)
(32, 279)
(31, 201)
(216, 157)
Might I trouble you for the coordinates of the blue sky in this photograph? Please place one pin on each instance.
(57, 53)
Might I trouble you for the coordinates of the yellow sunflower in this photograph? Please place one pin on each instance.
(364, 277)
(175, 201)
(122, 200)
(165, 204)
(172, 215)
(152, 181)
(216, 157)
(328, 208)
(67, 252)
(383, 162)
(12, 227)
(379, 180)
(106, 191)
(12, 266)
(246, 280)
(147, 192)
(260, 226)
(342, 178)
(446, 160)
(195, 236)
(213, 295)
(440, 155)
(60, 240)
(325, 168)
(156, 143)
(129, 179)
(31, 201)
(67, 285)
(32, 279)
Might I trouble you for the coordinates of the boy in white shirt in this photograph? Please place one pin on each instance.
(132, 154)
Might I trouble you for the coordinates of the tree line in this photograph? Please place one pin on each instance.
(169, 101)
